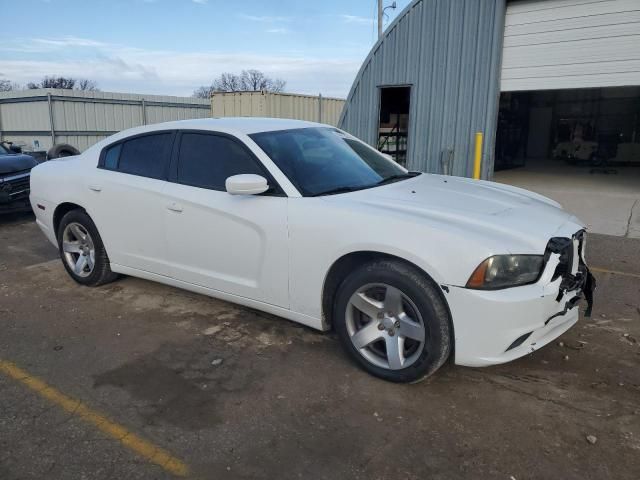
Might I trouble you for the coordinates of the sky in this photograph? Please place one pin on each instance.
(171, 47)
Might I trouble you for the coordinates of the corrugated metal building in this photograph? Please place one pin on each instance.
(447, 54)
(278, 105)
(542, 79)
(44, 117)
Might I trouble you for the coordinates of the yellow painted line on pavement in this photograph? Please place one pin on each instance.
(614, 272)
(127, 438)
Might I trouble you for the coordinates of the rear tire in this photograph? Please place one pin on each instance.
(82, 251)
(62, 150)
(393, 321)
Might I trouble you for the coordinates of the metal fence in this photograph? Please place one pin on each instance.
(39, 119)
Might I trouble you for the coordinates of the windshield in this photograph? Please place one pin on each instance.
(3, 151)
(321, 161)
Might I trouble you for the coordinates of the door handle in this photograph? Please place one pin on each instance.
(174, 207)
(95, 188)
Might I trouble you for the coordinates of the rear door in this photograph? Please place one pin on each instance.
(129, 206)
(236, 244)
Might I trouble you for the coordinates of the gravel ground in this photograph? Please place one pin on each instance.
(235, 393)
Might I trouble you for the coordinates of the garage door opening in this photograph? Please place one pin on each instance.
(393, 124)
(585, 128)
(580, 147)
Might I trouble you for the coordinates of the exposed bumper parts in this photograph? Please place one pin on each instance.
(572, 267)
(498, 326)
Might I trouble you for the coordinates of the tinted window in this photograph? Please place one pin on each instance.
(323, 160)
(112, 156)
(147, 156)
(208, 160)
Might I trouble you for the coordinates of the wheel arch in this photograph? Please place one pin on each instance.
(61, 210)
(346, 263)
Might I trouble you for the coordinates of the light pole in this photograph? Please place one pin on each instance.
(381, 14)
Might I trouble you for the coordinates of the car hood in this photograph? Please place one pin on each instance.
(16, 163)
(474, 206)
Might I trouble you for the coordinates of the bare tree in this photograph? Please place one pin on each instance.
(87, 85)
(227, 82)
(278, 85)
(8, 85)
(53, 82)
(256, 80)
(66, 83)
(248, 80)
(203, 92)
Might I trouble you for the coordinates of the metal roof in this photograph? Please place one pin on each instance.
(449, 52)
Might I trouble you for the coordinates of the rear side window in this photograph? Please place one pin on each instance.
(111, 157)
(206, 161)
(147, 155)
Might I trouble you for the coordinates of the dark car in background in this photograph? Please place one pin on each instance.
(15, 174)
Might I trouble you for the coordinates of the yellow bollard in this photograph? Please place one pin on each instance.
(477, 159)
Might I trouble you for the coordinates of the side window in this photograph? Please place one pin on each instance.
(207, 160)
(112, 156)
(147, 156)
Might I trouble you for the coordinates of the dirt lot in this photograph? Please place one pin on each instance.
(232, 393)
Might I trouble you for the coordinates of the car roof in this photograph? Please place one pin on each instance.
(245, 125)
(232, 125)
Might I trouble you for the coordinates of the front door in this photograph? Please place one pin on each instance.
(236, 244)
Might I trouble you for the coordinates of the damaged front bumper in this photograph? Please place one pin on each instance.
(498, 326)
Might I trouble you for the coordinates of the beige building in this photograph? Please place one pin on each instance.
(278, 105)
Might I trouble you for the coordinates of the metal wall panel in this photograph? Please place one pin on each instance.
(276, 105)
(83, 118)
(24, 116)
(557, 44)
(331, 110)
(449, 52)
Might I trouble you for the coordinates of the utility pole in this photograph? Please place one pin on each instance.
(380, 10)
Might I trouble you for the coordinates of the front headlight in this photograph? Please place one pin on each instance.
(503, 271)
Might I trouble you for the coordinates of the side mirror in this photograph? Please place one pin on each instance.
(15, 149)
(246, 184)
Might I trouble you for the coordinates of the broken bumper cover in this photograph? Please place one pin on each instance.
(498, 326)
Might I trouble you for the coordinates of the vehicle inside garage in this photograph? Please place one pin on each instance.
(569, 113)
(564, 142)
(595, 128)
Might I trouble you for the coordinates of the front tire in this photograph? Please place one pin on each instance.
(81, 250)
(393, 321)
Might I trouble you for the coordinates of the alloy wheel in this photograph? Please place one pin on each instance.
(78, 249)
(385, 326)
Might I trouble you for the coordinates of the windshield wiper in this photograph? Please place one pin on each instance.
(399, 176)
(337, 190)
(346, 189)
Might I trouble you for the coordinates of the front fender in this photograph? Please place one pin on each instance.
(320, 233)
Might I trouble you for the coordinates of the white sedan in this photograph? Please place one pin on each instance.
(304, 221)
